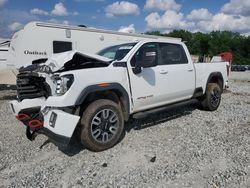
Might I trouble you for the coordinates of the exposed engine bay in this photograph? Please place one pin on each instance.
(41, 80)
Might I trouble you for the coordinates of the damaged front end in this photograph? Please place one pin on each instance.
(32, 85)
(38, 85)
(56, 123)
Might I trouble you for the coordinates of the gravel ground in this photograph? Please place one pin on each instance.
(244, 76)
(184, 147)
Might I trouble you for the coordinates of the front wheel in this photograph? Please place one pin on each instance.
(102, 125)
(212, 98)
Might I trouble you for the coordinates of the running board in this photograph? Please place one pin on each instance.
(144, 114)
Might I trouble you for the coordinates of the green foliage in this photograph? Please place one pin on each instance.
(214, 43)
(157, 33)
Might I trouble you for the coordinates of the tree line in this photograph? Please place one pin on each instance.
(213, 43)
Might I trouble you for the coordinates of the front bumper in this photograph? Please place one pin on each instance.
(57, 124)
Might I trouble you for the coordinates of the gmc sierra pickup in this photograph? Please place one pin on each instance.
(92, 95)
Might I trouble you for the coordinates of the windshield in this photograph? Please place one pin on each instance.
(117, 52)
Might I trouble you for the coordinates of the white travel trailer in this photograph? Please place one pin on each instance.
(7, 72)
(37, 41)
(4, 47)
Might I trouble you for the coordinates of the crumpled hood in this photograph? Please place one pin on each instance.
(57, 61)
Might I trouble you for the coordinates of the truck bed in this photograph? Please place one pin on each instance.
(203, 70)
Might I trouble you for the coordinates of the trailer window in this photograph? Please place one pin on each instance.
(61, 46)
(172, 54)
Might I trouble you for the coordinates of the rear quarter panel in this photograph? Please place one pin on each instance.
(203, 71)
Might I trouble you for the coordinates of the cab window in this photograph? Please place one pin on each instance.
(146, 56)
(172, 54)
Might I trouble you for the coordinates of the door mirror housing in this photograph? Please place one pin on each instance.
(144, 58)
(137, 69)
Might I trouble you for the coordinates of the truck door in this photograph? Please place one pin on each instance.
(177, 73)
(145, 84)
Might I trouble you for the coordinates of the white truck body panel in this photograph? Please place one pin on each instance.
(64, 125)
(82, 80)
(26, 103)
(203, 71)
(57, 61)
(153, 93)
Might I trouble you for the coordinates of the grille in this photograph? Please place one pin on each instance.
(30, 85)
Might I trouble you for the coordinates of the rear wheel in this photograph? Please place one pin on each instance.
(212, 98)
(102, 125)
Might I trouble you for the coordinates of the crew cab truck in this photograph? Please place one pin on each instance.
(92, 95)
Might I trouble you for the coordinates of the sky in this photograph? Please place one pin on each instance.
(129, 16)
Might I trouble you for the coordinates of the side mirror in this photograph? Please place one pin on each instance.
(137, 69)
(148, 59)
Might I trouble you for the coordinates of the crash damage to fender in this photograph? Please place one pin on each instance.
(38, 82)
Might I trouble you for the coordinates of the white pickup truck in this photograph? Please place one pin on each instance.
(92, 95)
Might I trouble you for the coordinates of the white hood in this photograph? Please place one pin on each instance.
(57, 61)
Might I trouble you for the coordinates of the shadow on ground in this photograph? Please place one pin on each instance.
(72, 149)
(75, 146)
(158, 118)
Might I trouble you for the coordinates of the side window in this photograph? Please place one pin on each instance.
(172, 54)
(61, 46)
(146, 56)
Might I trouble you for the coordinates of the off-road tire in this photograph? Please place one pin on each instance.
(212, 98)
(92, 112)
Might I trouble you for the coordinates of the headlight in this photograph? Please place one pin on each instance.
(63, 84)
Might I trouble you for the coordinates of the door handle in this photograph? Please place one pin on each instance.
(190, 70)
(163, 71)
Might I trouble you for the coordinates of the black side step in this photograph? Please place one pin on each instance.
(146, 113)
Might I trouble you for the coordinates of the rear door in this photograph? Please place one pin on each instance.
(177, 73)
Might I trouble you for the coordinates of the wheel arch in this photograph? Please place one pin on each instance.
(215, 77)
(111, 91)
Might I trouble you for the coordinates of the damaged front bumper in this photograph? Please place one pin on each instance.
(55, 123)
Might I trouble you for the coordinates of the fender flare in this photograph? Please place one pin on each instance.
(109, 86)
(215, 74)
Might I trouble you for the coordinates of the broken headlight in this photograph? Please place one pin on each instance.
(63, 84)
